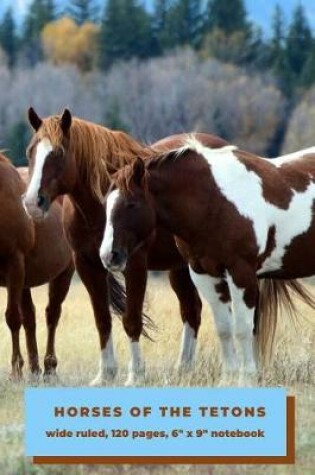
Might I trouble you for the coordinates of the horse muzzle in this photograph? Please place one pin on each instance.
(32, 209)
(115, 260)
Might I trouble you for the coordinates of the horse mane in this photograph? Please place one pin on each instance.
(99, 152)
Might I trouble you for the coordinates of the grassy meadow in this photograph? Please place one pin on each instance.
(78, 354)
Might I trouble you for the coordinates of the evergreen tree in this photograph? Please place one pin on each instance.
(299, 43)
(185, 23)
(228, 16)
(125, 32)
(8, 38)
(308, 73)
(278, 39)
(17, 140)
(161, 26)
(230, 37)
(83, 10)
(40, 12)
(278, 60)
(113, 116)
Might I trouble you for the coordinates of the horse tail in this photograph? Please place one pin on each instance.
(118, 302)
(276, 295)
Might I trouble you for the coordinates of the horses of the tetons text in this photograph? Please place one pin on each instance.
(27, 260)
(75, 157)
(245, 225)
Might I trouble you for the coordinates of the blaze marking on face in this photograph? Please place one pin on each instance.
(42, 151)
(108, 238)
(243, 188)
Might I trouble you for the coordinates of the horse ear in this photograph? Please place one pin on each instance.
(138, 171)
(65, 121)
(34, 119)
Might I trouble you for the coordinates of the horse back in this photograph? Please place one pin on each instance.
(176, 141)
(16, 229)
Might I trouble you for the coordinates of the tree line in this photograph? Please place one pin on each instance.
(91, 37)
(180, 67)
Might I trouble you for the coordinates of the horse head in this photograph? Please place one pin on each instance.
(130, 223)
(50, 162)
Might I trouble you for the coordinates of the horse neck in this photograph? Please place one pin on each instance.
(168, 196)
(99, 152)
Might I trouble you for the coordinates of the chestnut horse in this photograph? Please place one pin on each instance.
(75, 157)
(237, 218)
(26, 261)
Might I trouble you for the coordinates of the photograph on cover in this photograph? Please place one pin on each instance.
(157, 229)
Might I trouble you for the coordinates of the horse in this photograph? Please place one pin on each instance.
(73, 157)
(244, 224)
(25, 263)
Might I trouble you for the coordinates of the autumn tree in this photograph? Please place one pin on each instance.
(66, 42)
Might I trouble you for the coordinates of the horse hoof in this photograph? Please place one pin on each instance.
(103, 377)
(135, 379)
(50, 377)
(34, 376)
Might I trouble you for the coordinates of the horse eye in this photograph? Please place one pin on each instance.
(131, 205)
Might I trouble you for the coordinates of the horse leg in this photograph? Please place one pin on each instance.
(214, 291)
(190, 310)
(29, 323)
(94, 277)
(58, 290)
(244, 290)
(15, 283)
(136, 280)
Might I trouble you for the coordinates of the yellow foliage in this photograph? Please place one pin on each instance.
(66, 42)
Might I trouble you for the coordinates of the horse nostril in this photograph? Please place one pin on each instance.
(115, 256)
(40, 201)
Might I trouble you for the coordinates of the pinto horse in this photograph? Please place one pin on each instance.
(26, 262)
(237, 218)
(77, 158)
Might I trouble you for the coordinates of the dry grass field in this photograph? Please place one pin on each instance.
(77, 349)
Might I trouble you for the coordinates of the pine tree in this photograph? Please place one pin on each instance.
(228, 16)
(125, 32)
(308, 73)
(17, 139)
(278, 38)
(229, 36)
(8, 38)
(83, 10)
(40, 12)
(185, 23)
(299, 42)
(160, 26)
(278, 60)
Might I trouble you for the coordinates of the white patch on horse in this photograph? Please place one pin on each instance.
(222, 314)
(188, 347)
(108, 238)
(136, 365)
(42, 151)
(243, 188)
(244, 318)
(108, 364)
(278, 161)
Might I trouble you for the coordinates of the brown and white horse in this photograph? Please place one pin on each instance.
(25, 262)
(75, 157)
(237, 218)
